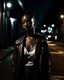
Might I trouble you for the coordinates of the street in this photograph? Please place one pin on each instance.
(57, 61)
(42, 19)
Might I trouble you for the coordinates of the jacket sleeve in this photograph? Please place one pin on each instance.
(46, 60)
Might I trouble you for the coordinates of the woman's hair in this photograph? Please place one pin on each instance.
(29, 14)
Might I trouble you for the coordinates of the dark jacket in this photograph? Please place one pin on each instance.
(41, 59)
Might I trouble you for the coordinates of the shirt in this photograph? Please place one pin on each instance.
(30, 55)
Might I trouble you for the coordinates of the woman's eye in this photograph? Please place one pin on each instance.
(22, 22)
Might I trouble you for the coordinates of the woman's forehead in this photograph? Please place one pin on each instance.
(25, 17)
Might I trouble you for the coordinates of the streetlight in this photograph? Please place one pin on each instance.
(62, 26)
(44, 25)
(9, 5)
(52, 25)
(6, 14)
(62, 16)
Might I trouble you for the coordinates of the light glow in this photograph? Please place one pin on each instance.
(62, 16)
(52, 25)
(44, 25)
(9, 4)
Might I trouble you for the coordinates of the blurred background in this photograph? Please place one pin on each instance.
(49, 16)
(49, 19)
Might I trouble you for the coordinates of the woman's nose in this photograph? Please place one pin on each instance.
(25, 24)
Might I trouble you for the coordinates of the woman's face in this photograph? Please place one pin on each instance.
(26, 22)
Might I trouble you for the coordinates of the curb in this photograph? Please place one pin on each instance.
(1, 59)
(60, 44)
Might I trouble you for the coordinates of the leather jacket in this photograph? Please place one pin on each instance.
(41, 59)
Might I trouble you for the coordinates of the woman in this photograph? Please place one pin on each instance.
(31, 53)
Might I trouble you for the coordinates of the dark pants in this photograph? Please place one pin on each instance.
(29, 73)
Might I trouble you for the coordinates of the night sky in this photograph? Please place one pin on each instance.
(40, 7)
(45, 10)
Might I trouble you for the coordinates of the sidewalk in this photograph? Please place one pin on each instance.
(60, 43)
(5, 52)
(56, 77)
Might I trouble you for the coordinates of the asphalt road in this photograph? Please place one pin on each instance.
(57, 60)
